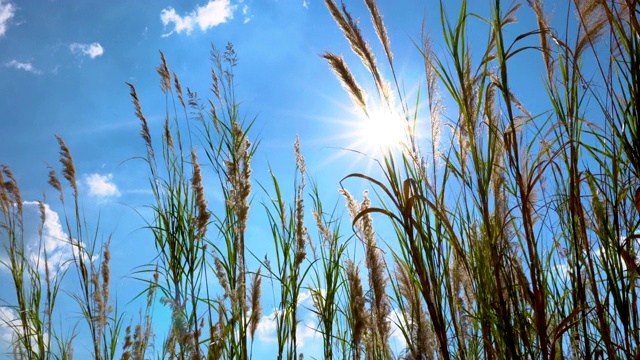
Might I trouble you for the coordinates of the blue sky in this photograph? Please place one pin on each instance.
(63, 68)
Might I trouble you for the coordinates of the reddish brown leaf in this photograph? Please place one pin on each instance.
(630, 261)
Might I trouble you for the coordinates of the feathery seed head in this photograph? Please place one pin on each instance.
(593, 18)
(168, 139)
(144, 131)
(356, 40)
(359, 315)
(68, 169)
(55, 182)
(221, 274)
(43, 218)
(106, 277)
(165, 75)
(5, 203)
(256, 307)
(367, 222)
(352, 204)
(325, 232)
(380, 28)
(203, 215)
(214, 116)
(381, 309)
(300, 164)
(545, 35)
(417, 317)
(239, 176)
(11, 187)
(230, 55)
(348, 81)
(215, 85)
(128, 343)
(97, 298)
(300, 229)
(179, 89)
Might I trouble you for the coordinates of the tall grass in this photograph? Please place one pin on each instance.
(514, 232)
(483, 245)
(36, 281)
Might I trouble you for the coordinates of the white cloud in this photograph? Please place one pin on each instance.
(92, 50)
(181, 24)
(604, 255)
(26, 66)
(8, 320)
(306, 330)
(59, 257)
(11, 327)
(305, 3)
(396, 320)
(304, 297)
(245, 12)
(101, 185)
(267, 326)
(214, 13)
(7, 11)
(54, 240)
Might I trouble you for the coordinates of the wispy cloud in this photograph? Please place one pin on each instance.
(214, 13)
(305, 3)
(101, 185)
(25, 66)
(245, 13)
(92, 50)
(7, 11)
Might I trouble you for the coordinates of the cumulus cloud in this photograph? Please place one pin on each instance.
(214, 13)
(54, 239)
(92, 50)
(8, 320)
(25, 66)
(59, 251)
(10, 327)
(305, 331)
(267, 327)
(396, 320)
(101, 185)
(7, 11)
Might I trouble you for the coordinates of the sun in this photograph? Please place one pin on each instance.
(381, 130)
(373, 134)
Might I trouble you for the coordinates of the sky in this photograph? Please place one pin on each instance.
(63, 70)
